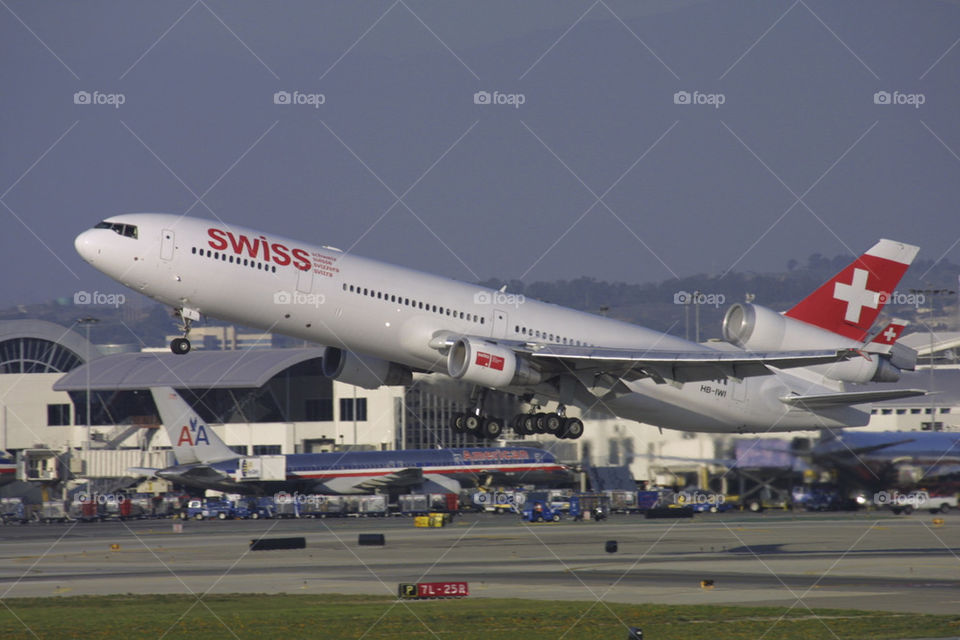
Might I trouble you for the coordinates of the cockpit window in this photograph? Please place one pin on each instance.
(127, 230)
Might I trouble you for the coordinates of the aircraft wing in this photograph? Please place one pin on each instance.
(826, 400)
(680, 366)
(399, 478)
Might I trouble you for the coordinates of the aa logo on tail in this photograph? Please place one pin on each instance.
(193, 435)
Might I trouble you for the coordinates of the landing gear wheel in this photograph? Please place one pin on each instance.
(552, 423)
(572, 429)
(528, 424)
(517, 424)
(471, 423)
(180, 346)
(539, 423)
(491, 428)
(458, 422)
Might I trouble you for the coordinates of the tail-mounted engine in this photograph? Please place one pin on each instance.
(757, 328)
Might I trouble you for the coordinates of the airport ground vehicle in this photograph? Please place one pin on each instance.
(538, 511)
(13, 511)
(589, 506)
(222, 510)
(703, 501)
(907, 503)
(941, 503)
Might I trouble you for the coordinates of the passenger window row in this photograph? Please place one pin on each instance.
(549, 337)
(246, 262)
(413, 304)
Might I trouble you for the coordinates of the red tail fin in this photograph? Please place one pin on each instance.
(849, 303)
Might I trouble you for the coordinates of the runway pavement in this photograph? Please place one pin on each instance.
(862, 561)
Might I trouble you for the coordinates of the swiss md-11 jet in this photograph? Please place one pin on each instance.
(382, 323)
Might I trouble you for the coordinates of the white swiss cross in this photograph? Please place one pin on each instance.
(890, 334)
(856, 295)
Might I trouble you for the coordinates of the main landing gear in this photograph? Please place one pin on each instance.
(181, 346)
(475, 422)
(555, 424)
(491, 428)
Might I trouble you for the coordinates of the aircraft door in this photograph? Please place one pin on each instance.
(500, 321)
(166, 244)
(738, 388)
(305, 280)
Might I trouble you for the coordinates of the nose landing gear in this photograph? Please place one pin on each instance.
(186, 316)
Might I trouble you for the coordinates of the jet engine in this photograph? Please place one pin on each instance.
(488, 364)
(757, 328)
(363, 371)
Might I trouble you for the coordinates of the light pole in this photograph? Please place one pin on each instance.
(86, 322)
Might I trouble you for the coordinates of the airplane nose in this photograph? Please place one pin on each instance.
(86, 246)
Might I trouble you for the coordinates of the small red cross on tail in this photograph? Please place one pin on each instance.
(849, 303)
(891, 332)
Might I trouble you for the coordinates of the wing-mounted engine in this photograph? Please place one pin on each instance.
(488, 364)
(363, 371)
(758, 328)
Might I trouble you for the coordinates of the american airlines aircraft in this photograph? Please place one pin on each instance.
(204, 461)
(777, 372)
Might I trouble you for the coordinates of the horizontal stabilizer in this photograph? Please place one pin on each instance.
(684, 366)
(826, 400)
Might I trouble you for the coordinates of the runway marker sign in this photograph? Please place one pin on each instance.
(430, 590)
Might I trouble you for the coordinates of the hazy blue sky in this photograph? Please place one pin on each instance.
(599, 172)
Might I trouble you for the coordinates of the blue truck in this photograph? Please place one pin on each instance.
(539, 511)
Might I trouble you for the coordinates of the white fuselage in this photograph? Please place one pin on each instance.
(326, 296)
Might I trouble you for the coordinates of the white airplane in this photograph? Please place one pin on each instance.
(778, 372)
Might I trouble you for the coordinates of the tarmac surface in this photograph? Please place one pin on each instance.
(870, 561)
